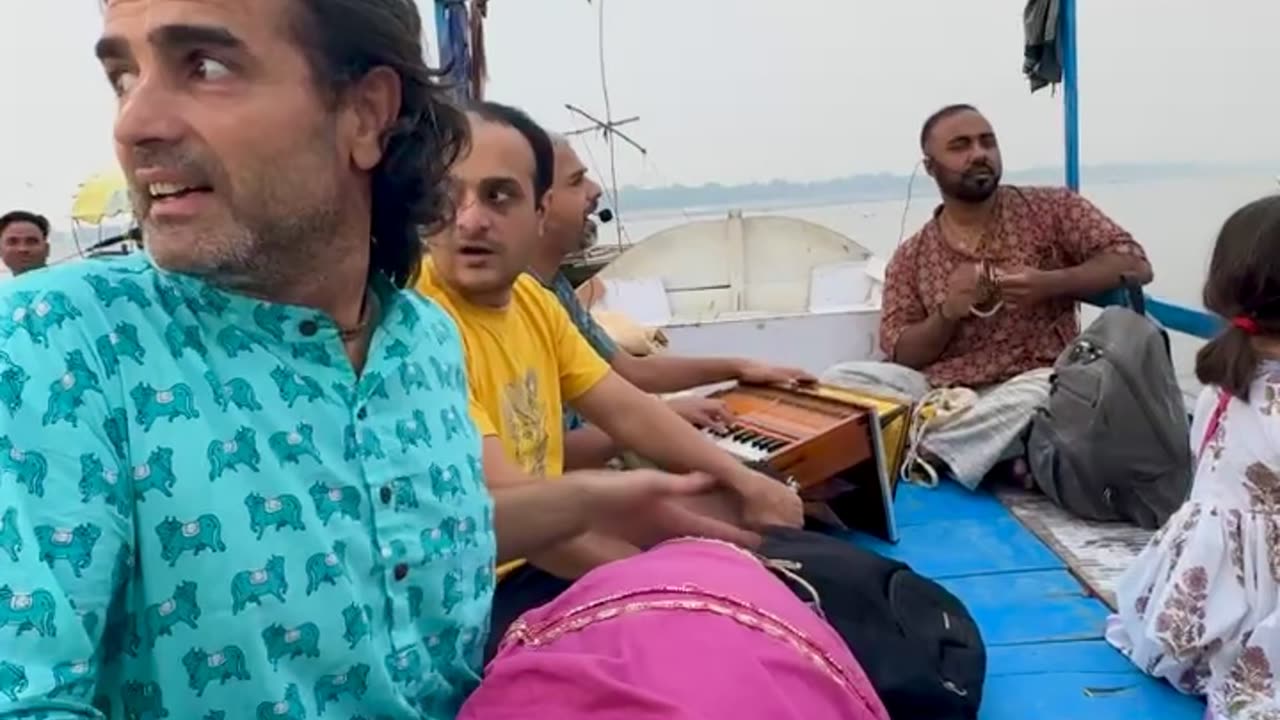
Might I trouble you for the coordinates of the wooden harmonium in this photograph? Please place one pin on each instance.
(826, 440)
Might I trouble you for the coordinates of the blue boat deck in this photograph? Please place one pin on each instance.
(1047, 659)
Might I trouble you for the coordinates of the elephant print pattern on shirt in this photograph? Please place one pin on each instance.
(206, 513)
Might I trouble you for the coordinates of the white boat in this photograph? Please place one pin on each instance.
(771, 288)
(788, 291)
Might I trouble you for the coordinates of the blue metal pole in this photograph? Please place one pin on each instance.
(1184, 319)
(442, 32)
(1070, 92)
(451, 34)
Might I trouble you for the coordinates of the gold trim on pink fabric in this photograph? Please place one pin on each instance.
(744, 614)
(690, 598)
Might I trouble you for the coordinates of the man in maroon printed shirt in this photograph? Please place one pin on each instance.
(984, 297)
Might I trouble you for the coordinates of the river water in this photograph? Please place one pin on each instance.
(1176, 220)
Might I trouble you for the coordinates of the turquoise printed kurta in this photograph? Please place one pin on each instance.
(205, 513)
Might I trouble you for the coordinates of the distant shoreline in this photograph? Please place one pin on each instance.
(874, 187)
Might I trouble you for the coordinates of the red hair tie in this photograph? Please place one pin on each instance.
(1245, 323)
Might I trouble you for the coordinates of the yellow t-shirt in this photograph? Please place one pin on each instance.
(524, 362)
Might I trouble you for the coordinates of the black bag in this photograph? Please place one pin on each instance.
(1112, 442)
(917, 643)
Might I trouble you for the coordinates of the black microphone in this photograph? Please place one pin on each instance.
(604, 215)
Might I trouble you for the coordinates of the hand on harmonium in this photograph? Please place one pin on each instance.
(755, 373)
(702, 412)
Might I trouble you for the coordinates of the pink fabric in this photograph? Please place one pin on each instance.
(686, 663)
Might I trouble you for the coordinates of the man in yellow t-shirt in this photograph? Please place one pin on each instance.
(525, 360)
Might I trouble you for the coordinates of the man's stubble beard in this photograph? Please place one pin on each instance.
(256, 251)
(955, 185)
(571, 237)
(279, 232)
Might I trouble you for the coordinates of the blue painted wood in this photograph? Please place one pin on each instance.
(955, 548)
(1089, 656)
(1030, 607)
(915, 505)
(1085, 696)
(1075, 676)
(1046, 658)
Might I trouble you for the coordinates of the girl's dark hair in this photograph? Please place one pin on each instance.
(346, 39)
(1243, 285)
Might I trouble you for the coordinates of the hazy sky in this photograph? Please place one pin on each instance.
(743, 90)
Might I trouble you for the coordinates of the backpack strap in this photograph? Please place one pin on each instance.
(790, 570)
(1215, 421)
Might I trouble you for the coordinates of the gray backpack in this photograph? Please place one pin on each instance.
(1112, 443)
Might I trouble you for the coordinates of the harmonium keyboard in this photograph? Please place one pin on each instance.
(826, 440)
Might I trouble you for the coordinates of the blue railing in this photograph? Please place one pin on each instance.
(1183, 319)
(1179, 318)
(1175, 317)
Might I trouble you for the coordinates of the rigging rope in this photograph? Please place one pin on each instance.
(608, 119)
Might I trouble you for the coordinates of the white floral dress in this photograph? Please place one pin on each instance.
(1200, 607)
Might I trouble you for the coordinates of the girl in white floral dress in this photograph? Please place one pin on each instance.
(1201, 605)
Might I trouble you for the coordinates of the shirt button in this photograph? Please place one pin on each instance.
(362, 413)
(385, 494)
(401, 571)
(308, 328)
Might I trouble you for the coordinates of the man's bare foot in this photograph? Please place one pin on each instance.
(1021, 474)
(1014, 472)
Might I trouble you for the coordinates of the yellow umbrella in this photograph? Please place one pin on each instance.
(102, 196)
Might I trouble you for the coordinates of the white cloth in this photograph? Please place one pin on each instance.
(1200, 607)
(971, 438)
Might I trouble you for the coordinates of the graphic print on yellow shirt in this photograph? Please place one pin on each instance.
(524, 363)
(525, 423)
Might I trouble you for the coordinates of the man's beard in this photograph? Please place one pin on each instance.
(573, 236)
(590, 234)
(259, 246)
(274, 224)
(974, 185)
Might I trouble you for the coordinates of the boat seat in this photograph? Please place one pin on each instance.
(643, 300)
(840, 286)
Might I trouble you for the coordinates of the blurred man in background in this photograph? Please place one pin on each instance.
(24, 241)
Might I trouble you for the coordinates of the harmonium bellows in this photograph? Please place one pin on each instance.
(825, 440)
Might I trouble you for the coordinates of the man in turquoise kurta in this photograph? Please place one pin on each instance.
(207, 504)
(237, 474)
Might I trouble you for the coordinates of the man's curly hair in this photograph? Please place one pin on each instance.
(343, 41)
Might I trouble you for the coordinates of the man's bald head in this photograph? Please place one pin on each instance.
(961, 153)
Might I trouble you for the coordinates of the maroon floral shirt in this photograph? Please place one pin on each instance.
(1044, 228)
